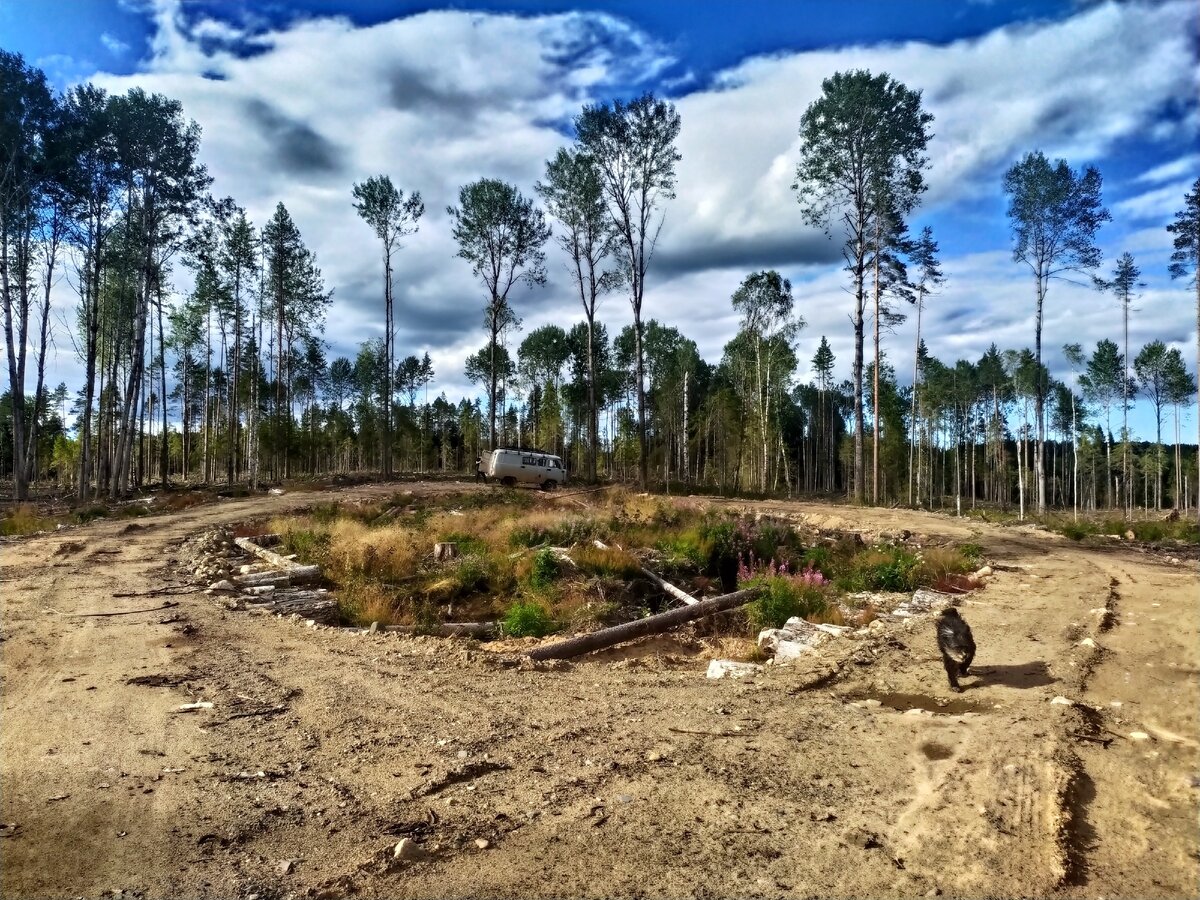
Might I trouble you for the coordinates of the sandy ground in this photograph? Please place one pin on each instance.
(625, 774)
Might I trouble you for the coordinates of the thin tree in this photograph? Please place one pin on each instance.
(863, 139)
(392, 217)
(1186, 258)
(574, 195)
(1154, 375)
(500, 233)
(766, 305)
(1074, 356)
(924, 256)
(633, 145)
(1180, 385)
(1102, 384)
(1055, 214)
(1123, 284)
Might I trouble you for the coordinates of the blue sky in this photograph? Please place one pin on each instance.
(311, 96)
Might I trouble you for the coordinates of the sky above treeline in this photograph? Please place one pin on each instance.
(298, 100)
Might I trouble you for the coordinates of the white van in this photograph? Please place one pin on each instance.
(513, 467)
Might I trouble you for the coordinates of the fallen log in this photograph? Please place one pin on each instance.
(607, 637)
(446, 629)
(677, 593)
(444, 550)
(275, 579)
(123, 612)
(293, 569)
(323, 610)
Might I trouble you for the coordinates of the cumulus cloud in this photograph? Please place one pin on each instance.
(298, 112)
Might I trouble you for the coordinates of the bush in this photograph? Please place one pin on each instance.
(544, 570)
(882, 569)
(785, 596)
(90, 513)
(527, 620)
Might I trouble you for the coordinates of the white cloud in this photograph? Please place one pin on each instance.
(299, 112)
(1184, 167)
(1157, 204)
(114, 45)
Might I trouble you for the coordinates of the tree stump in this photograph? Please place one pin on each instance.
(443, 551)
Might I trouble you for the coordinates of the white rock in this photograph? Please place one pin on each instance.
(926, 600)
(275, 491)
(480, 842)
(835, 630)
(245, 570)
(1138, 736)
(407, 849)
(901, 613)
(917, 711)
(223, 586)
(1087, 642)
(192, 707)
(867, 704)
(259, 590)
(1062, 701)
(727, 668)
(984, 572)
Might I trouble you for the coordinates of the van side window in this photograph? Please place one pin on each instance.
(542, 462)
(527, 460)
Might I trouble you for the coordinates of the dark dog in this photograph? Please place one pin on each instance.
(957, 644)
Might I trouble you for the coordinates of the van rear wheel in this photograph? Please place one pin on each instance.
(549, 485)
(508, 481)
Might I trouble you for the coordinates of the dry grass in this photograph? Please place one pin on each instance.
(611, 561)
(24, 519)
(387, 553)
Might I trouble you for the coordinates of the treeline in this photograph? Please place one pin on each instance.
(232, 382)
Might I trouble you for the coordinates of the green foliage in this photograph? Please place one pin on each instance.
(527, 620)
(571, 531)
(545, 569)
(306, 543)
(784, 597)
(881, 569)
(972, 552)
(467, 543)
(819, 558)
(90, 513)
(472, 573)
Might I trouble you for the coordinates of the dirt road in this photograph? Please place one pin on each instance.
(625, 774)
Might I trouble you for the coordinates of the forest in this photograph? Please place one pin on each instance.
(103, 199)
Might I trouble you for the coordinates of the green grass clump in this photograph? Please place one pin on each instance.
(90, 513)
(527, 620)
(784, 597)
(561, 534)
(544, 570)
(467, 543)
(882, 569)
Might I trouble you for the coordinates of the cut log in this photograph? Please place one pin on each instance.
(321, 608)
(275, 579)
(444, 550)
(290, 567)
(447, 629)
(607, 637)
